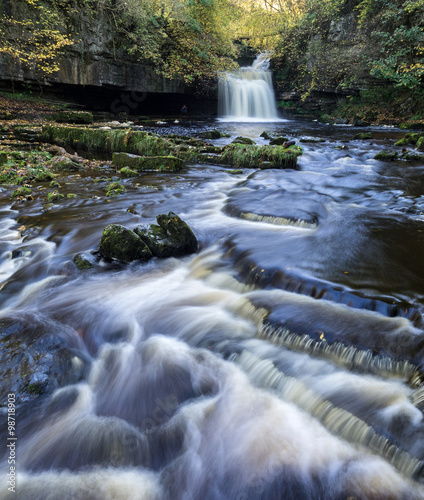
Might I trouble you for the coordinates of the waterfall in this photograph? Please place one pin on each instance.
(248, 94)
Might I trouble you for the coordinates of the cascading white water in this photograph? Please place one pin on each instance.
(248, 94)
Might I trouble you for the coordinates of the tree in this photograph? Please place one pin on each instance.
(35, 40)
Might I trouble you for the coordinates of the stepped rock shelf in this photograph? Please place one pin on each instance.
(148, 151)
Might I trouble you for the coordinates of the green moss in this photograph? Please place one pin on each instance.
(72, 195)
(22, 191)
(402, 142)
(243, 140)
(210, 134)
(82, 262)
(234, 172)
(90, 139)
(55, 196)
(278, 141)
(114, 189)
(54, 184)
(252, 156)
(420, 144)
(73, 117)
(412, 125)
(386, 155)
(363, 135)
(119, 242)
(152, 163)
(127, 172)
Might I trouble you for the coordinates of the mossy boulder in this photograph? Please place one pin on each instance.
(278, 141)
(211, 134)
(386, 155)
(128, 172)
(363, 135)
(402, 142)
(420, 144)
(115, 189)
(22, 191)
(171, 237)
(243, 140)
(63, 164)
(55, 196)
(266, 135)
(412, 125)
(120, 243)
(73, 117)
(234, 172)
(147, 163)
(82, 262)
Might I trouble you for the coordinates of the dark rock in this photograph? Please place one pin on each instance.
(279, 141)
(412, 125)
(386, 155)
(63, 163)
(211, 134)
(152, 163)
(363, 135)
(119, 242)
(73, 117)
(35, 359)
(114, 189)
(266, 135)
(82, 262)
(171, 238)
(243, 140)
(132, 210)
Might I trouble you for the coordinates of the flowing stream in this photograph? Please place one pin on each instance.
(282, 361)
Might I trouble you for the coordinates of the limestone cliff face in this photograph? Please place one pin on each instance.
(96, 59)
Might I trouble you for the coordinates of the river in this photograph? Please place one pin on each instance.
(282, 361)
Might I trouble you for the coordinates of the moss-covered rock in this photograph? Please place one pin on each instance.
(55, 196)
(172, 237)
(243, 140)
(22, 191)
(120, 243)
(253, 156)
(420, 144)
(115, 189)
(3, 157)
(363, 135)
(412, 125)
(235, 172)
(402, 142)
(266, 135)
(278, 141)
(73, 117)
(413, 157)
(63, 164)
(147, 163)
(82, 262)
(72, 195)
(54, 184)
(211, 134)
(178, 231)
(386, 155)
(108, 141)
(127, 172)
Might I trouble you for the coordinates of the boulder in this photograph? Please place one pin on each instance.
(73, 117)
(36, 358)
(120, 243)
(363, 135)
(114, 189)
(278, 141)
(211, 134)
(172, 237)
(386, 155)
(243, 140)
(152, 163)
(63, 163)
(82, 262)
